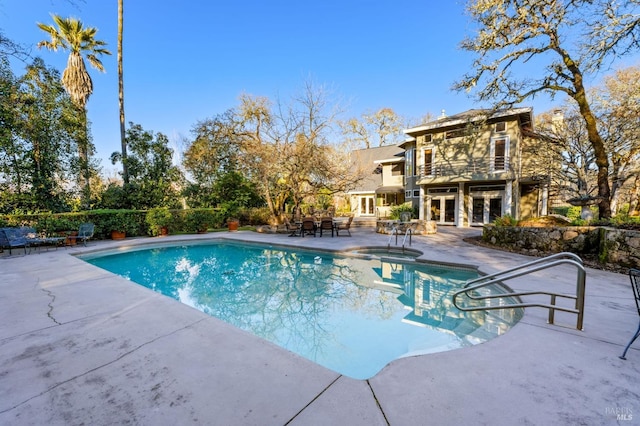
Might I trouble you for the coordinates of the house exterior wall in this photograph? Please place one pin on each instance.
(473, 169)
(388, 176)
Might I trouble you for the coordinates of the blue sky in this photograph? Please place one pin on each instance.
(189, 62)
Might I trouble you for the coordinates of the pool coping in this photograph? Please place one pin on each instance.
(72, 352)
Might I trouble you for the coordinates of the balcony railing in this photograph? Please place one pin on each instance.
(464, 168)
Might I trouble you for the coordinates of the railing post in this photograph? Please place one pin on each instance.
(580, 290)
(552, 312)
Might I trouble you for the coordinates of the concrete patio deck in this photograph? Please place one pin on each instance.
(81, 346)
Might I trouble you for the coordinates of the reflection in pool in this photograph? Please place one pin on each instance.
(351, 315)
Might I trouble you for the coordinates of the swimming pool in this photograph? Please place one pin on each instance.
(352, 315)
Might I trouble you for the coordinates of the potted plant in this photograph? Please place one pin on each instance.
(53, 226)
(233, 224)
(119, 224)
(159, 220)
(199, 220)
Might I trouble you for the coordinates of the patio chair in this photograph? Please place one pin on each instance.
(293, 228)
(84, 233)
(344, 226)
(326, 223)
(13, 238)
(634, 276)
(308, 226)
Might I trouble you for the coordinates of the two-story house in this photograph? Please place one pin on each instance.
(473, 167)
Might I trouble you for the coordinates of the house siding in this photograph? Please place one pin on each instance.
(479, 172)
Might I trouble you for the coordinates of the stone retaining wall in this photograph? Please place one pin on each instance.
(420, 227)
(610, 245)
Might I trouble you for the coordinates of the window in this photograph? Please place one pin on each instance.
(391, 199)
(500, 154)
(416, 193)
(407, 194)
(428, 162)
(427, 138)
(414, 162)
(456, 133)
(397, 169)
(501, 126)
(410, 161)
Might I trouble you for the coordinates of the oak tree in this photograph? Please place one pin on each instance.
(526, 48)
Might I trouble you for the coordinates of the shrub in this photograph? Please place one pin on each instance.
(199, 220)
(506, 220)
(396, 211)
(157, 219)
(255, 216)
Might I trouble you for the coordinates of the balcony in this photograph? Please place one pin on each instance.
(464, 170)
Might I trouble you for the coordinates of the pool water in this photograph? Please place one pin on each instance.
(349, 314)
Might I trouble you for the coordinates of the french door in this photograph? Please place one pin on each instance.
(367, 205)
(485, 209)
(443, 209)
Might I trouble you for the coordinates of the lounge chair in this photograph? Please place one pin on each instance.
(308, 226)
(326, 223)
(634, 276)
(344, 226)
(14, 238)
(84, 233)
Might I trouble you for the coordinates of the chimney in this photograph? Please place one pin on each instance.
(557, 120)
(442, 115)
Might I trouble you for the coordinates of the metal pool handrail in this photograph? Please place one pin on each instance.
(525, 269)
(395, 231)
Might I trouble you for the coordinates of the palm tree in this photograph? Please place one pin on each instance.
(72, 36)
(123, 140)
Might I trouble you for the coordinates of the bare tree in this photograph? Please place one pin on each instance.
(617, 104)
(286, 149)
(616, 30)
(567, 145)
(383, 126)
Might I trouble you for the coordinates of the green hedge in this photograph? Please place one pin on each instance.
(133, 222)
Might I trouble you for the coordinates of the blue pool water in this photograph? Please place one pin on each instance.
(352, 315)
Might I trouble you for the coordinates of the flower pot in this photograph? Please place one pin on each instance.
(118, 235)
(71, 241)
(164, 231)
(233, 225)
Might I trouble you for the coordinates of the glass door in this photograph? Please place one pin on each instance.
(443, 209)
(367, 205)
(485, 209)
(495, 208)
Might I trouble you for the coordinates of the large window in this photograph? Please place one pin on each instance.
(428, 161)
(410, 162)
(391, 199)
(500, 154)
